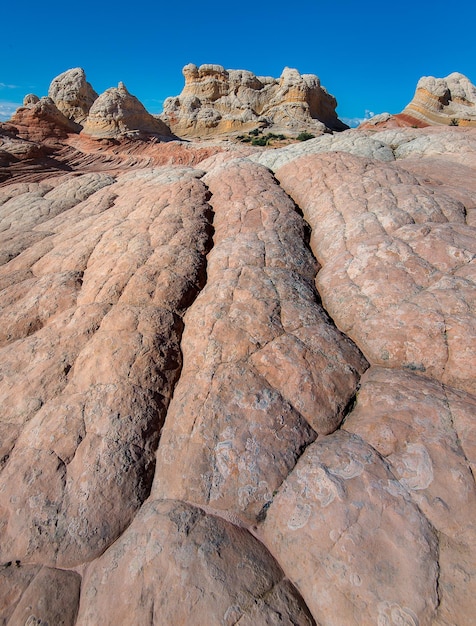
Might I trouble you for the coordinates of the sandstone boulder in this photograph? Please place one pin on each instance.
(118, 113)
(72, 94)
(30, 98)
(216, 101)
(176, 565)
(42, 120)
(37, 596)
(450, 100)
(15, 150)
(437, 101)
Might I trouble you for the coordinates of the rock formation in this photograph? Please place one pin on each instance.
(14, 149)
(72, 94)
(448, 101)
(218, 101)
(237, 385)
(41, 119)
(72, 105)
(118, 113)
(30, 98)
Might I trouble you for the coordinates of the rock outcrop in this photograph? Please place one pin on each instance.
(14, 149)
(41, 119)
(216, 101)
(72, 94)
(442, 101)
(450, 100)
(72, 106)
(237, 385)
(118, 113)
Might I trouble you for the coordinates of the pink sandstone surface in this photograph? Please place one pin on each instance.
(238, 385)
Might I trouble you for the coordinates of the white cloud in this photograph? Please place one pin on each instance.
(5, 86)
(7, 109)
(353, 122)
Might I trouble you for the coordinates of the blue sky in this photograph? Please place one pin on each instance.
(369, 55)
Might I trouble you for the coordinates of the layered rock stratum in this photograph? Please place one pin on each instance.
(237, 384)
(449, 101)
(219, 101)
(444, 100)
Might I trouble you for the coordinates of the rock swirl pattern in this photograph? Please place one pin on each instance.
(240, 390)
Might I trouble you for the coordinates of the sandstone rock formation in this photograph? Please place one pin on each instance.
(237, 385)
(30, 98)
(72, 94)
(444, 100)
(14, 149)
(72, 105)
(118, 113)
(219, 101)
(447, 101)
(41, 119)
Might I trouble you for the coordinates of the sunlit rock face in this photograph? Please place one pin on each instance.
(237, 384)
(449, 101)
(118, 113)
(41, 120)
(73, 106)
(215, 101)
(72, 94)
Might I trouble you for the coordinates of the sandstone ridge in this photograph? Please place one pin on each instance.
(219, 101)
(437, 101)
(237, 383)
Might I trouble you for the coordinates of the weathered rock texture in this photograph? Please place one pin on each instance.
(93, 322)
(236, 385)
(41, 119)
(266, 354)
(72, 105)
(117, 112)
(444, 100)
(218, 101)
(72, 94)
(177, 565)
(441, 101)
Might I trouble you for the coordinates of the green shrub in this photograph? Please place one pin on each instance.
(454, 122)
(260, 141)
(304, 136)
